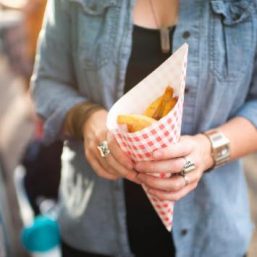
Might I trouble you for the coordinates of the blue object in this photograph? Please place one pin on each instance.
(42, 235)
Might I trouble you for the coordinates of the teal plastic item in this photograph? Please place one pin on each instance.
(42, 236)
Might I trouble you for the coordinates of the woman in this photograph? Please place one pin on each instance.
(91, 52)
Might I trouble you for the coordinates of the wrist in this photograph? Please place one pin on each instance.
(206, 147)
(78, 116)
(94, 117)
(220, 147)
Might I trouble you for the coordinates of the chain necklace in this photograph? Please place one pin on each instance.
(164, 32)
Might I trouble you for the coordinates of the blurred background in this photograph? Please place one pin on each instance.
(29, 170)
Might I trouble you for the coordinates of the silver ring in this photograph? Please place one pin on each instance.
(185, 179)
(104, 149)
(188, 167)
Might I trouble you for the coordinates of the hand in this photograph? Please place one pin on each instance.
(171, 160)
(116, 164)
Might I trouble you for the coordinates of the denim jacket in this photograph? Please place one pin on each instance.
(83, 54)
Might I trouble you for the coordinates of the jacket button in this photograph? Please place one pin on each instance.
(186, 34)
(184, 232)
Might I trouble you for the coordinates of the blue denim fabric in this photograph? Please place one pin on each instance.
(83, 54)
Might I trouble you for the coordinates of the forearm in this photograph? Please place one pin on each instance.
(76, 118)
(53, 83)
(242, 135)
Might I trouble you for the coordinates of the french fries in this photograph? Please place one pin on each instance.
(162, 105)
(154, 112)
(135, 122)
(151, 109)
(169, 106)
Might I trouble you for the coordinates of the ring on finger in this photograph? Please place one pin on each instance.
(189, 166)
(103, 149)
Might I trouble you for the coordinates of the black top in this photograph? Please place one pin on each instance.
(146, 54)
(147, 235)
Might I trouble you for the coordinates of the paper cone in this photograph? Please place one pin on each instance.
(140, 145)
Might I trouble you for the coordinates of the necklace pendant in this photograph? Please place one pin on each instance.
(165, 40)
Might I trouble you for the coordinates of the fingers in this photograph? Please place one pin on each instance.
(170, 166)
(117, 168)
(169, 159)
(99, 169)
(114, 164)
(97, 162)
(166, 184)
(182, 148)
(172, 196)
(187, 156)
(172, 184)
(111, 164)
(120, 156)
(119, 162)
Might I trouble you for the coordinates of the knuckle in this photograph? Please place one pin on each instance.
(114, 172)
(189, 147)
(130, 176)
(158, 184)
(111, 141)
(150, 167)
(123, 172)
(124, 161)
(152, 182)
(108, 165)
(177, 165)
(99, 173)
(90, 147)
(114, 178)
(100, 134)
(109, 160)
(177, 185)
(194, 186)
(186, 149)
(146, 180)
(106, 176)
(198, 175)
(197, 162)
(109, 175)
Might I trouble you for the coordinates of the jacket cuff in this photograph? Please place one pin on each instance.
(249, 112)
(54, 123)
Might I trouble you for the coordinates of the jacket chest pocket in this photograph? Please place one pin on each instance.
(96, 32)
(232, 41)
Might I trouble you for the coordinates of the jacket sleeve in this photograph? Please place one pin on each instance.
(249, 109)
(53, 83)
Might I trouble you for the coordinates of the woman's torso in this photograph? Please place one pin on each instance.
(220, 65)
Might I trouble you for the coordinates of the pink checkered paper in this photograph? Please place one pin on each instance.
(140, 145)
